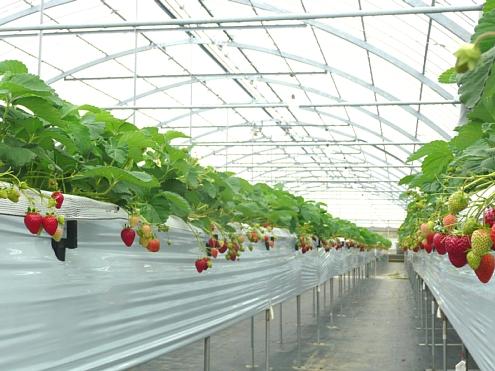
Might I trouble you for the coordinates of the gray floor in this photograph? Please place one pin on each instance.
(376, 330)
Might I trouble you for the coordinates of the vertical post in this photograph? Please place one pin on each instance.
(252, 342)
(331, 300)
(267, 340)
(206, 356)
(432, 333)
(317, 314)
(324, 295)
(444, 340)
(134, 80)
(420, 304)
(298, 321)
(40, 37)
(426, 316)
(281, 325)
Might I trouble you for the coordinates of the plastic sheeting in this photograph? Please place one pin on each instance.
(467, 303)
(111, 307)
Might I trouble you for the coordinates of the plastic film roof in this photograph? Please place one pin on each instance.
(285, 101)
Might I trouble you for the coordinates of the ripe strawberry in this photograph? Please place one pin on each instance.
(473, 260)
(427, 246)
(449, 221)
(233, 255)
(213, 242)
(33, 221)
(481, 242)
(223, 247)
(50, 224)
(59, 199)
(439, 243)
(457, 247)
(429, 238)
(154, 245)
(458, 201)
(146, 230)
(128, 235)
(134, 220)
(214, 252)
(201, 265)
(489, 216)
(57, 236)
(266, 238)
(486, 268)
(492, 236)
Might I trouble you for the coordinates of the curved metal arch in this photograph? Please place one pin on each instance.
(284, 83)
(361, 44)
(255, 48)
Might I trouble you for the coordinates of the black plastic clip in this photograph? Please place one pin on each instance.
(70, 242)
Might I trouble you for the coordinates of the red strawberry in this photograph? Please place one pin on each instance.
(212, 242)
(429, 238)
(128, 235)
(201, 265)
(223, 247)
(214, 252)
(439, 243)
(486, 268)
(489, 216)
(33, 221)
(233, 255)
(153, 245)
(457, 247)
(266, 238)
(59, 199)
(50, 224)
(492, 236)
(428, 247)
(416, 249)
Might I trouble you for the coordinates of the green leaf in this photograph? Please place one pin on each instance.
(173, 134)
(472, 83)
(488, 6)
(468, 134)
(448, 77)
(435, 147)
(15, 156)
(25, 84)
(116, 152)
(179, 205)
(60, 136)
(112, 173)
(485, 24)
(407, 179)
(12, 66)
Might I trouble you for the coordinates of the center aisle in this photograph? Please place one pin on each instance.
(377, 331)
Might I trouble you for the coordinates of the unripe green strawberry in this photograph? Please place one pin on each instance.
(470, 226)
(481, 242)
(458, 201)
(473, 260)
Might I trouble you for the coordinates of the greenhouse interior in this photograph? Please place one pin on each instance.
(224, 185)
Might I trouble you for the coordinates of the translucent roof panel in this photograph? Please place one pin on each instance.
(305, 88)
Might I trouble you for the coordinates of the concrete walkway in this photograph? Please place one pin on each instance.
(376, 330)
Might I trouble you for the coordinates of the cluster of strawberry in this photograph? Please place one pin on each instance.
(147, 238)
(470, 243)
(50, 222)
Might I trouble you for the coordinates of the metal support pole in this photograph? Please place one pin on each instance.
(206, 356)
(331, 300)
(267, 340)
(444, 339)
(324, 295)
(426, 315)
(298, 322)
(252, 343)
(432, 333)
(314, 302)
(420, 304)
(40, 37)
(281, 324)
(317, 289)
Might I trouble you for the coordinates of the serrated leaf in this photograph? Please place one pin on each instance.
(179, 205)
(12, 66)
(468, 134)
(112, 174)
(15, 156)
(472, 83)
(407, 179)
(448, 77)
(173, 134)
(435, 147)
(25, 84)
(485, 24)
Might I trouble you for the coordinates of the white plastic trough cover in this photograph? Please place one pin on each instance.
(111, 307)
(467, 303)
